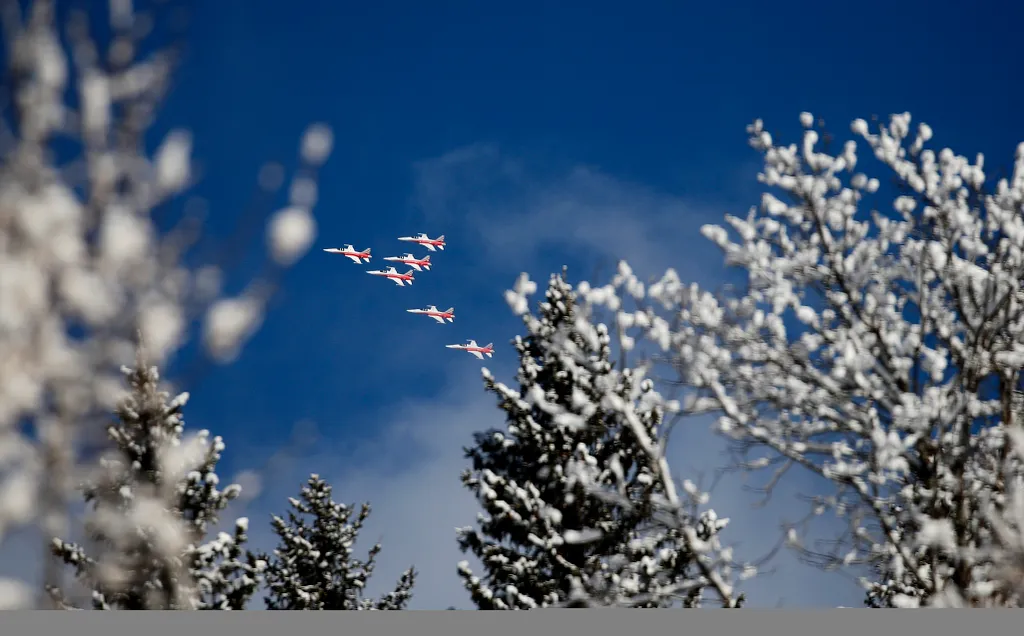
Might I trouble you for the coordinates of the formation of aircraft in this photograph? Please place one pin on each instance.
(417, 265)
(435, 313)
(425, 241)
(472, 347)
(392, 273)
(356, 255)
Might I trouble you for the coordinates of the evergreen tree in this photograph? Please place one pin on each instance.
(313, 568)
(544, 536)
(151, 505)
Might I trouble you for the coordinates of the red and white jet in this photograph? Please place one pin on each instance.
(418, 264)
(425, 241)
(472, 347)
(400, 279)
(436, 313)
(351, 252)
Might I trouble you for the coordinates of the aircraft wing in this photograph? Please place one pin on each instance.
(354, 258)
(399, 282)
(438, 319)
(478, 354)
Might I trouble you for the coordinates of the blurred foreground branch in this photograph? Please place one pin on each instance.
(88, 259)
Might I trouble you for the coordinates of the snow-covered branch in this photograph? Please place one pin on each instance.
(877, 348)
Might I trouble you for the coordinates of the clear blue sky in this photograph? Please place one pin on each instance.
(531, 134)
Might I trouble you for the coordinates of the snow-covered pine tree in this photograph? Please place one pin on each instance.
(153, 500)
(545, 539)
(226, 574)
(313, 569)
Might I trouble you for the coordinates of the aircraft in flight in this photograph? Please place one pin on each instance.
(472, 347)
(418, 264)
(425, 241)
(392, 273)
(436, 313)
(351, 252)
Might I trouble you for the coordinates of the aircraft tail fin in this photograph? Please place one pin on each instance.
(441, 238)
(490, 345)
(367, 250)
(426, 258)
(450, 310)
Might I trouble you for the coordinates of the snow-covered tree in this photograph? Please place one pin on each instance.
(313, 568)
(572, 486)
(876, 346)
(151, 503)
(98, 239)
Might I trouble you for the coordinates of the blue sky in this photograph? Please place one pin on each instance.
(530, 134)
